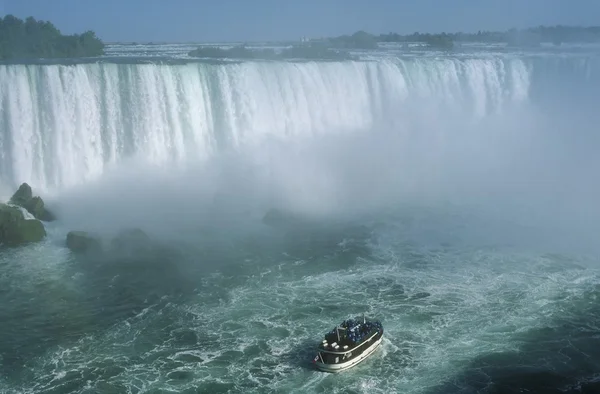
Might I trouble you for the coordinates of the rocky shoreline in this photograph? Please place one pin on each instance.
(22, 221)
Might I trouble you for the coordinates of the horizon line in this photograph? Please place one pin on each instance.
(583, 27)
(276, 41)
(558, 25)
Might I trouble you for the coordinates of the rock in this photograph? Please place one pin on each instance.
(16, 229)
(47, 216)
(131, 241)
(34, 206)
(133, 235)
(82, 242)
(276, 218)
(128, 243)
(23, 197)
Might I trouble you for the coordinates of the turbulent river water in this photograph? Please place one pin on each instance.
(454, 197)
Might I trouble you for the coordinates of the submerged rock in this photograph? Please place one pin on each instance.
(16, 229)
(129, 236)
(277, 218)
(274, 217)
(131, 241)
(127, 243)
(23, 197)
(82, 242)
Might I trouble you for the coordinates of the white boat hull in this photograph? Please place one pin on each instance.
(339, 367)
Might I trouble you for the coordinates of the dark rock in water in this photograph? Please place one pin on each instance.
(47, 216)
(15, 229)
(132, 235)
(274, 217)
(132, 241)
(34, 206)
(277, 218)
(23, 197)
(82, 242)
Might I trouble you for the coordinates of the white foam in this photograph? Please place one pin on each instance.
(261, 334)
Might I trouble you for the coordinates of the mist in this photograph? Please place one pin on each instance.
(213, 147)
(524, 166)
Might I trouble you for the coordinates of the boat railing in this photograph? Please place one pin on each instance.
(345, 348)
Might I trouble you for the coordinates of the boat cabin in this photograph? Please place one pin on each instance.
(348, 341)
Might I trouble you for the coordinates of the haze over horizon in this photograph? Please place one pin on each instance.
(265, 20)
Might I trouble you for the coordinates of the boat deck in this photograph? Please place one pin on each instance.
(348, 344)
(345, 344)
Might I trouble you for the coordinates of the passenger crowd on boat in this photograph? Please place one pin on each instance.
(356, 331)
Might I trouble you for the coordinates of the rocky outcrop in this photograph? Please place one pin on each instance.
(83, 242)
(24, 197)
(16, 228)
(20, 218)
(129, 242)
(36, 207)
(277, 218)
(132, 241)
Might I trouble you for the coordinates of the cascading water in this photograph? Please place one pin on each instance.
(62, 125)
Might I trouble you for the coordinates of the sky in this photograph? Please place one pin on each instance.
(263, 20)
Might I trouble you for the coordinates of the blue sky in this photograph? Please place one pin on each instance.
(240, 20)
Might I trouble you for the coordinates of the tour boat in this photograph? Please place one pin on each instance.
(348, 344)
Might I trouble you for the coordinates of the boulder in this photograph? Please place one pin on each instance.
(23, 197)
(82, 242)
(131, 241)
(34, 206)
(16, 229)
(276, 218)
(128, 243)
(47, 216)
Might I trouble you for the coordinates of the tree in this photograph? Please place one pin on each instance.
(41, 39)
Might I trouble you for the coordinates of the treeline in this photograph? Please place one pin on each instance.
(310, 51)
(534, 35)
(531, 36)
(33, 38)
(364, 40)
